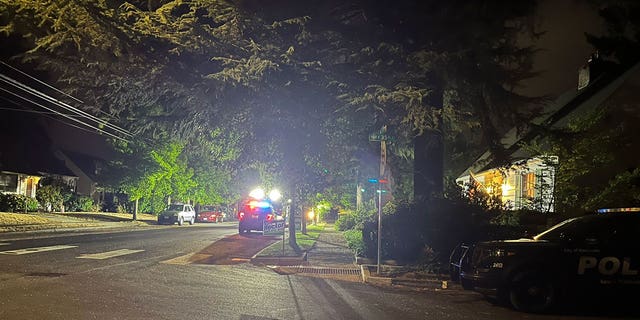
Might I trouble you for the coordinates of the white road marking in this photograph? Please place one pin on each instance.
(4, 243)
(108, 254)
(37, 249)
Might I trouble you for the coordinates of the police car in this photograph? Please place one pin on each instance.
(253, 215)
(594, 254)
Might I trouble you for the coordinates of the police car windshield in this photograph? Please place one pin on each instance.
(175, 207)
(553, 232)
(568, 229)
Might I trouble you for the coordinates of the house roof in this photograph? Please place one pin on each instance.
(557, 114)
(25, 147)
(86, 163)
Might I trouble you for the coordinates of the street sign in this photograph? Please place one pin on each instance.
(273, 228)
(381, 135)
(378, 136)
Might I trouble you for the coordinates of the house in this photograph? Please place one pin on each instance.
(529, 180)
(26, 157)
(85, 167)
(19, 183)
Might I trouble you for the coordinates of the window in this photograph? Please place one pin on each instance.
(528, 185)
(8, 182)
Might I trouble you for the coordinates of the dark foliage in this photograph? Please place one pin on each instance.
(415, 234)
(79, 203)
(17, 203)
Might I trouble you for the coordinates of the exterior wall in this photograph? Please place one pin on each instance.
(526, 184)
(83, 184)
(17, 183)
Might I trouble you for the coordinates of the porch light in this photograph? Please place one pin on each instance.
(506, 188)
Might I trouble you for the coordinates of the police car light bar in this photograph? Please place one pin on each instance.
(618, 210)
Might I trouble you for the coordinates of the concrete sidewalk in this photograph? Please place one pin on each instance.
(331, 250)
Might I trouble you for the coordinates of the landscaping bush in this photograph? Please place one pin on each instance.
(16, 203)
(50, 198)
(79, 203)
(346, 222)
(354, 220)
(354, 240)
(436, 227)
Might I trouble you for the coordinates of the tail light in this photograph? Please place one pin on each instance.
(269, 217)
(240, 215)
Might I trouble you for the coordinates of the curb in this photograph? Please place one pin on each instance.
(368, 261)
(431, 284)
(279, 260)
(61, 232)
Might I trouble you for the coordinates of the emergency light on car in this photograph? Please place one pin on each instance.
(259, 204)
(611, 210)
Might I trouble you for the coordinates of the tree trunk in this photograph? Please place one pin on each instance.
(428, 167)
(303, 221)
(292, 225)
(135, 211)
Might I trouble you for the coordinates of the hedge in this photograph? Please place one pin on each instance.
(16, 203)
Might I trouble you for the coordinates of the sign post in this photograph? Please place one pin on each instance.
(382, 137)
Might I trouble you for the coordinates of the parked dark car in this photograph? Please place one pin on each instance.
(598, 254)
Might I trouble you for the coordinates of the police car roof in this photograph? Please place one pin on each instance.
(612, 210)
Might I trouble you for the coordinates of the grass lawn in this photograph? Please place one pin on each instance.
(29, 222)
(111, 216)
(11, 222)
(304, 241)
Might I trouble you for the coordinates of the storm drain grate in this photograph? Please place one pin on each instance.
(326, 270)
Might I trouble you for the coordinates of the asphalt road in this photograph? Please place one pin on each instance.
(144, 275)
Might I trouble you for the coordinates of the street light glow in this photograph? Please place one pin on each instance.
(257, 193)
(275, 195)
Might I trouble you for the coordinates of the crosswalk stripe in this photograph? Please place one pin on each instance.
(4, 243)
(108, 254)
(37, 249)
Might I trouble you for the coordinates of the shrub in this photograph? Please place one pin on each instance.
(354, 240)
(16, 203)
(354, 220)
(79, 203)
(49, 197)
(438, 226)
(346, 222)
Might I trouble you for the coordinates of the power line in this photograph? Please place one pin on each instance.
(48, 85)
(30, 111)
(70, 124)
(45, 114)
(65, 115)
(40, 82)
(63, 105)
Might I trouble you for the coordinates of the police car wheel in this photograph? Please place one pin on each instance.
(180, 221)
(532, 291)
(466, 284)
(454, 274)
